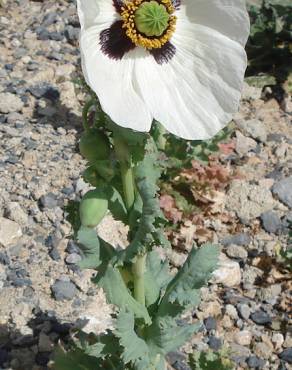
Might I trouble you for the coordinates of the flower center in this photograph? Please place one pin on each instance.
(149, 24)
(151, 18)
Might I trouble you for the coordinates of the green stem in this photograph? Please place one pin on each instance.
(161, 140)
(124, 157)
(85, 111)
(138, 272)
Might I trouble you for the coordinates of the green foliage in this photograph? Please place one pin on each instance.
(144, 333)
(286, 254)
(75, 359)
(147, 173)
(156, 277)
(134, 348)
(165, 335)
(117, 293)
(90, 246)
(269, 45)
(94, 145)
(210, 361)
(183, 289)
(181, 152)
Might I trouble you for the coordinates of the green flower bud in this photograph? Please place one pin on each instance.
(93, 208)
(94, 145)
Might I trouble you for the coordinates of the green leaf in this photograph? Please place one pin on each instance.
(183, 290)
(117, 293)
(95, 350)
(165, 335)
(90, 246)
(116, 205)
(105, 169)
(156, 277)
(134, 348)
(74, 360)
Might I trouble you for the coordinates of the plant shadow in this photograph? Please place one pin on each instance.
(34, 350)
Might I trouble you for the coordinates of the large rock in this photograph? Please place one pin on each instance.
(228, 273)
(10, 231)
(244, 144)
(283, 190)
(10, 103)
(254, 128)
(15, 213)
(249, 201)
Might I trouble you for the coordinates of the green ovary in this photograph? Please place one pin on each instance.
(151, 18)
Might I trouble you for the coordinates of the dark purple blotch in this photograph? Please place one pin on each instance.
(114, 42)
(164, 54)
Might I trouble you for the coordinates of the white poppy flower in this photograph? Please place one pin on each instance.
(181, 62)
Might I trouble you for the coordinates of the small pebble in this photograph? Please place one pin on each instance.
(261, 318)
(64, 290)
(210, 323)
(215, 343)
(244, 310)
(255, 362)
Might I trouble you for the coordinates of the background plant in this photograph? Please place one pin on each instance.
(270, 44)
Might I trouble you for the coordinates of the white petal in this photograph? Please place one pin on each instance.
(94, 12)
(229, 17)
(112, 81)
(195, 94)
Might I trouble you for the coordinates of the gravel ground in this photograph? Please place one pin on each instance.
(42, 292)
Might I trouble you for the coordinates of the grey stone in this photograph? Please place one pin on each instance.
(10, 103)
(243, 337)
(261, 318)
(255, 362)
(14, 117)
(63, 290)
(72, 247)
(249, 200)
(236, 251)
(10, 232)
(231, 311)
(210, 323)
(49, 201)
(54, 254)
(244, 310)
(244, 144)
(228, 272)
(270, 294)
(271, 222)
(72, 33)
(73, 258)
(238, 239)
(286, 355)
(45, 90)
(215, 343)
(254, 128)
(4, 259)
(283, 190)
(15, 213)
